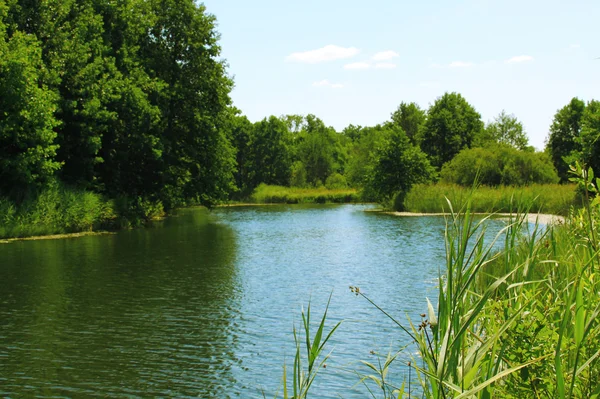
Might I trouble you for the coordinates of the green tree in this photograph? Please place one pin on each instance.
(241, 130)
(590, 136)
(563, 143)
(320, 151)
(362, 151)
(411, 118)
(452, 124)
(27, 147)
(506, 129)
(397, 165)
(269, 158)
(181, 49)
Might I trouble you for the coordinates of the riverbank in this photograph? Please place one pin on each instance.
(540, 218)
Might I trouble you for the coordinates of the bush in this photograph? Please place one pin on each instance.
(336, 181)
(499, 165)
(55, 209)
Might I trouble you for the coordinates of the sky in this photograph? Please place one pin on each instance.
(354, 62)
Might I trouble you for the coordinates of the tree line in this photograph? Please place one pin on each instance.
(131, 99)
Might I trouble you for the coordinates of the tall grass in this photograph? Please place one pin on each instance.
(522, 322)
(540, 198)
(266, 194)
(56, 209)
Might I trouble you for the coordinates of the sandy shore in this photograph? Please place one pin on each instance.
(541, 218)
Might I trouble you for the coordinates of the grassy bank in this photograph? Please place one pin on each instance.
(265, 194)
(548, 198)
(60, 209)
(520, 323)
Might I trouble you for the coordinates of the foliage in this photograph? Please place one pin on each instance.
(365, 142)
(336, 181)
(411, 118)
(590, 136)
(397, 166)
(56, 209)
(563, 141)
(506, 129)
(303, 378)
(265, 194)
(269, 158)
(318, 148)
(27, 148)
(452, 124)
(498, 164)
(547, 198)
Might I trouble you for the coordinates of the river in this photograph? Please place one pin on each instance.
(203, 304)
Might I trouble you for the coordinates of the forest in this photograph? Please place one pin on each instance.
(117, 112)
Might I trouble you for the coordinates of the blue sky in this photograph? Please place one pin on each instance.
(353, 62)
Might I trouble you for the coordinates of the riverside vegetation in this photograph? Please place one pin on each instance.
(521, 322)
(124, 111)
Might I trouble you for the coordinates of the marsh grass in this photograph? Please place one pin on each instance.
(266, 194)
(539, 198)
(56, 209)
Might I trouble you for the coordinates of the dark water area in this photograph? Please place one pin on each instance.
(203, 304)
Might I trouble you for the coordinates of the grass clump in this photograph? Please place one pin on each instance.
(268, 194)
(56, 209)
(539, 198)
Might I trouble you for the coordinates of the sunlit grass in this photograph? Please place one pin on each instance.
(539, 198)
(266, 194)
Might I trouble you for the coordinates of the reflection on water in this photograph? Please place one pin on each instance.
(203, 304)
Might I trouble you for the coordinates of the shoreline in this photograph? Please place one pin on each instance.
(56, 236)
(541, 218)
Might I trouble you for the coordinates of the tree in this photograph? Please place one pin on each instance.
(320, 151)
(563, 143)
(181, 50)
(361, 152)
(269, 158)
(506, 129)
(452, 124)
(590, 136)
(27, 148)
(241, 130)
(411, 118)
(397, 165)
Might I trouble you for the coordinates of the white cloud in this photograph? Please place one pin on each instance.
(519, 58)
(385, 65)
(385, 55)
(358, 65)
(327, 83)
(327, 53)
(460, 64)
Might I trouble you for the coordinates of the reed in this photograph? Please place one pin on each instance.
(539, 198)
